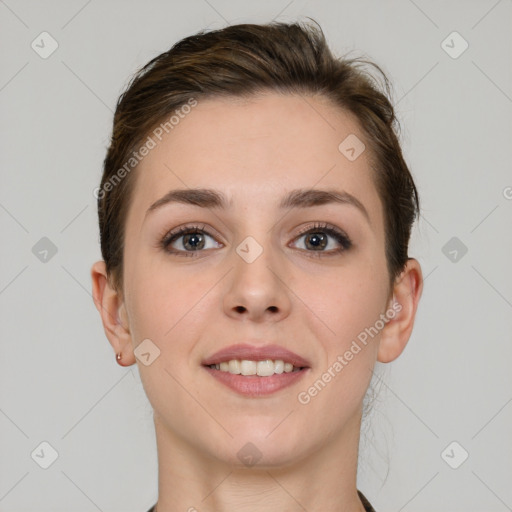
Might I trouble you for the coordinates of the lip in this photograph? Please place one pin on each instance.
(252, 353)
(253, 386)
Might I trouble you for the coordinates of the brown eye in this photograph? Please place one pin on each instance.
(193, 240)
(316, 239)
(188, 239)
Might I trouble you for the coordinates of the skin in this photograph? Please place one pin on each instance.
(255, 152)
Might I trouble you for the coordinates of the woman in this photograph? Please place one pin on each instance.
(255, 213)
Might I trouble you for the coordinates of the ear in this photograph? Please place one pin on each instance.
(404, 302)
(112, 309)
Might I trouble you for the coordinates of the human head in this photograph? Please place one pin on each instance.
(262, 103)
(240, 61)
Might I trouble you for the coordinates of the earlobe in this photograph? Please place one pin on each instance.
(112, 310)
(406, 295)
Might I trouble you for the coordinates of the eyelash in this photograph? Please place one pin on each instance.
(341, 237)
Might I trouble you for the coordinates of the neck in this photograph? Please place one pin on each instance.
(193, 481)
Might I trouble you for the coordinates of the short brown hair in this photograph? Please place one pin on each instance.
(240, 61)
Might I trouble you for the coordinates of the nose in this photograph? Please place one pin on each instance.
(258, 284)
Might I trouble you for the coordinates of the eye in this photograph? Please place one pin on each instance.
(317, 237)
(189, 239)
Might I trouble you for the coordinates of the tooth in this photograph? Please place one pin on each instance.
(278, 366)
(265, 368)
(234, 366)
(247, 367)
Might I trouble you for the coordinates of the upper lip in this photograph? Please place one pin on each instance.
(252, 353)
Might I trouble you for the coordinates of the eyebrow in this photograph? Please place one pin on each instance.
(299, 198)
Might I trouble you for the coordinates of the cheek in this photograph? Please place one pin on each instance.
(352, 304)
(153, 295)
(349, 308)
(161, 302)
(344, 301)
(166, 308)
(173, 306)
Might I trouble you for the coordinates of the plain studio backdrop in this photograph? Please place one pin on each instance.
(76, 430)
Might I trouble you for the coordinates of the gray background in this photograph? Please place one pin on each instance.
(59, 382)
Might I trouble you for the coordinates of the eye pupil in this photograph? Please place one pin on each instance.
(196, 240)
(317, 240)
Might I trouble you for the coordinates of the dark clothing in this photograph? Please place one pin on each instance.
(364, 501)
(367, 505)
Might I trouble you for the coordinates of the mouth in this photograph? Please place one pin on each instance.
(256, 371)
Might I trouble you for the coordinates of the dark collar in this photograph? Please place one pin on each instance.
(367, 505)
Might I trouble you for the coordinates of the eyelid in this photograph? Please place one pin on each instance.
(322, 225)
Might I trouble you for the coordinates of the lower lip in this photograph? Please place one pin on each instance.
(253, 385)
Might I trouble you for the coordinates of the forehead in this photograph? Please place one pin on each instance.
(256, 149)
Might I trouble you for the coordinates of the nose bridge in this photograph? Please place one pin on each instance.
(254, 257)
(256, 285)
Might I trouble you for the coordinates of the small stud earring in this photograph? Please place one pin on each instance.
(118, 358)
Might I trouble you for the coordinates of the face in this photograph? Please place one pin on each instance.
(309, 277)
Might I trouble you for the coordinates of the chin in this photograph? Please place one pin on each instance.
(260, 447)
